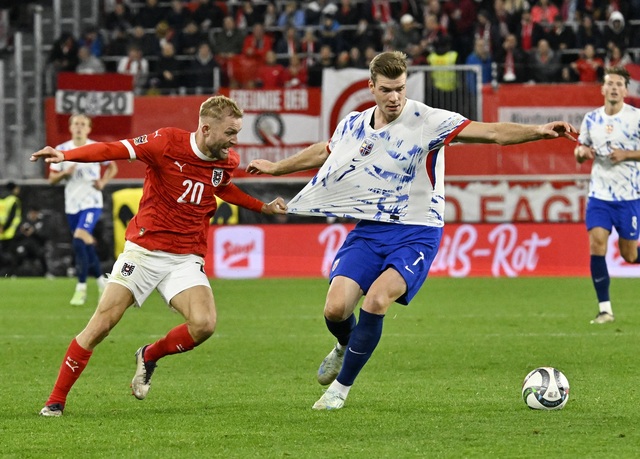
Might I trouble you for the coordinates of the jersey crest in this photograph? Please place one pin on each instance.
(216, 177)
(366, 147)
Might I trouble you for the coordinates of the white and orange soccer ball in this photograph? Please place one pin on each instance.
(545, 388)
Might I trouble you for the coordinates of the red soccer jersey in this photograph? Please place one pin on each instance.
(180, 188)
(178, 198)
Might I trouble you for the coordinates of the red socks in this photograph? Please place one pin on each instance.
(75, 360)
(176, 341)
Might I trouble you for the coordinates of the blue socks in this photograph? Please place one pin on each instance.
(600, 277)
(87, 260)
(82, 261)
(342, 330)
(363, 341)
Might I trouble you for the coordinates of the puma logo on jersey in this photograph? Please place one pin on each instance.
(156, 135)
(179, 165)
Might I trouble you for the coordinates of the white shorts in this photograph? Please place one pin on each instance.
(141, 271)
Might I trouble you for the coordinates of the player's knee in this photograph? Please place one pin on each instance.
(630, 256)
(335, 312)
(202, 330)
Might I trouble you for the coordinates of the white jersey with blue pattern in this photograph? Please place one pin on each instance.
(612, 182)
(393, 174)
(79, 192)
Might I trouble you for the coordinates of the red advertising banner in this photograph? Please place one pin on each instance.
(495, 250)
(107, 98)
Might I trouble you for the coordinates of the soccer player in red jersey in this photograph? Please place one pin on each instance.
(166, 240)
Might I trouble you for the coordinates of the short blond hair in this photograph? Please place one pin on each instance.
(217, 107)
(389, 64)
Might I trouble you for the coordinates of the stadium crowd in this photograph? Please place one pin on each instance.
(177, 46)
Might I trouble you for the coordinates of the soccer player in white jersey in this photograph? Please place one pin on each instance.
(610, 136)
(83, 204)
(166, 240)
(384, 166)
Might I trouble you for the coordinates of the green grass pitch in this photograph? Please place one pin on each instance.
(444, 381)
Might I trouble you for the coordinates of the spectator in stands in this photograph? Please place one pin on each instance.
(134, 63)
(271, 74)
(63, 57)
(150, 14)
(296, 75)
(342, 61)
(189, 38)
(480, 56)
(435, 7)
(229, 40)
(589, 67)
(88, 63)
(616, 57)
(257, 43)
(379, 12)
(568, 75)
(116, 47)
(356, 57)
(487, 30)
(313, 12)
(147, 43)
(543, 12)
(462, 14)
(406, 34)
(209, 15)
(31, 244)
(270, 17)
(616, 31)
(589, 33)
(325, 61)
(432, 32)
(199, 72)
(248, 15)
(118, 19)
(512, 61)
(369, 53)
(291, 15)
(329, 33)
(528, 32)
(288, 45)
(167, 74)
(561, 38)
(92, 39)
(178, 15)
(504, 23)
(348, 13)
(442, 56)
(367, 34)
(544, 63)
(309, 46)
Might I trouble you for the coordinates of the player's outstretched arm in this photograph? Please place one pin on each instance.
(48, 154)
(514, 133)
(311, 157)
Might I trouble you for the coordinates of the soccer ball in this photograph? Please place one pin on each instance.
(545, 388)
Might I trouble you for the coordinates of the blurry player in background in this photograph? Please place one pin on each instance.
(166, 240)
(83, 204)
(384, 166)
(610, 136)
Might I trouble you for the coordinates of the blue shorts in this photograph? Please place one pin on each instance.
(86, 219)
(623, 215)
(372, 247)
